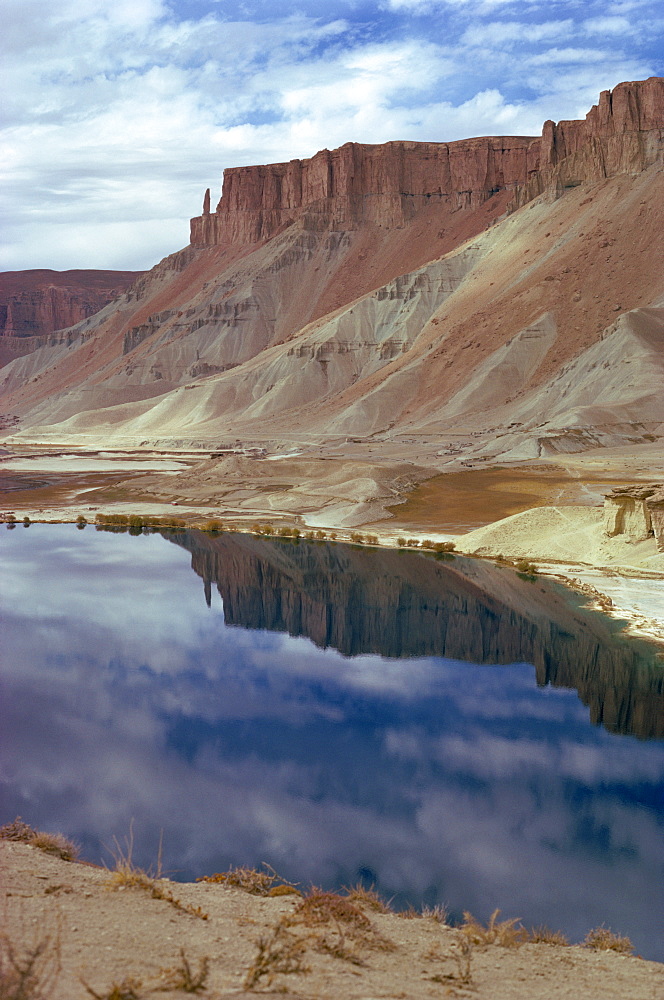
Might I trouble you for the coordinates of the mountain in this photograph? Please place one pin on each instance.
(33, 304)
(492, 299)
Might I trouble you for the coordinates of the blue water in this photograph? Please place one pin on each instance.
(430, 762)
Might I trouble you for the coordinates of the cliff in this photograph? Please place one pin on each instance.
(343, 188)
(388, 184)
(623, 133)
(38, 302)
(636, 512)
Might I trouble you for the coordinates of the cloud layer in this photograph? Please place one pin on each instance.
(117, 116)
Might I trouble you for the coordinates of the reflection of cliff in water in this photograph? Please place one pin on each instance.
(399, 604)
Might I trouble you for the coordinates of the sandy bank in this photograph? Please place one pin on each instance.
(105, 937)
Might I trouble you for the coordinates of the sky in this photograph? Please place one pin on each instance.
(117, 114)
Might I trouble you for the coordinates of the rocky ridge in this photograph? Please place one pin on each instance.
(386, 293)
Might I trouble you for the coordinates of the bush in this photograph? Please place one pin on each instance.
(320, 534)
(212, 526)
(526, 568)
(401, 542)
(444, 547)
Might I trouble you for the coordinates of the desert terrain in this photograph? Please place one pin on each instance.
(131, 937)
(456, 342)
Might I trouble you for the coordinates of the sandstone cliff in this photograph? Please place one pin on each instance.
(636, 512)
(357, 184)
(623, 133)
(37, 302)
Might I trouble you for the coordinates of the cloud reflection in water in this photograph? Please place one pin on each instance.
(124, 696)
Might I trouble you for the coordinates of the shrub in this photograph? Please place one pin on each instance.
(26, 522)
(428, 543)
(412, 543)
(50, 843)
(526, 568)
(253, 881)
(356, 537)
(603, 939)
(267, 529)
(401, 542)
(212, 526)
(372, 539)
(320, 534)
(285, 532)
(444, 547)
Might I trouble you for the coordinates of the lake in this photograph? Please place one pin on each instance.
(443, 729)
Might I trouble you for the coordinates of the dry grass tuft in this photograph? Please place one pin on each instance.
(50, 843)
(544, 935)
(436, 913)
(339, 927)
(506, 933)
(29, 971)
(129, 989)
(253, 881)
(367, 897)
(280, 953)
(284, 890)
(603, 939)
(127, 875)
(182, 976)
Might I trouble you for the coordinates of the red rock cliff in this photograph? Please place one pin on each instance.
(37, 302)
(387, 184)
(341, 188)
(623, 133)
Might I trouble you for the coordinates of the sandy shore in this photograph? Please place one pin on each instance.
(155, 939)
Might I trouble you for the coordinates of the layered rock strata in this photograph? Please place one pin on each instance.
(623, 133)
(341, 189)
(36, 303)
(636, 512)
(388, 184)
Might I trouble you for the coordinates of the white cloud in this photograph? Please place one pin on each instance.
(117, 116)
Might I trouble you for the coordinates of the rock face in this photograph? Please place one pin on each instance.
(623, 133)
(637, 512)
(343, 188)
(35, 303)
(388, 184)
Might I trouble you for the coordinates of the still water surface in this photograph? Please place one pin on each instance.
(442, 729)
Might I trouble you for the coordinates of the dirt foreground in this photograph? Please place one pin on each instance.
(125, 944)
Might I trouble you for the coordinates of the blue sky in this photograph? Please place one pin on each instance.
(117, 114)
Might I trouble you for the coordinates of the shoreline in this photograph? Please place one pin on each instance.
(601, 584)
(565, 542)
